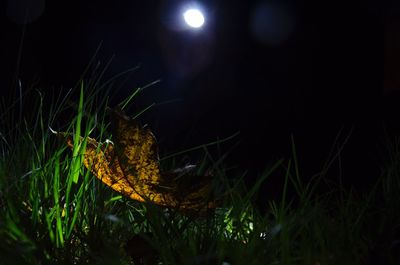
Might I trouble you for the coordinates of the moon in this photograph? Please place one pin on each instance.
(194, 18)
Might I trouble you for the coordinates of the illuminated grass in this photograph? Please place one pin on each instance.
(54, 211)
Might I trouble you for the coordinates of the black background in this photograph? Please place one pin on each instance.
(326, 75)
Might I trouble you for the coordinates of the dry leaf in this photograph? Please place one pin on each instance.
(130, 166)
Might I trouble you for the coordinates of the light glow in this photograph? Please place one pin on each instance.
(194, 18)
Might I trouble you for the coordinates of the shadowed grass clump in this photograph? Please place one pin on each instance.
(53, 211)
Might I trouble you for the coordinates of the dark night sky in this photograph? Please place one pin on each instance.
(312, 68)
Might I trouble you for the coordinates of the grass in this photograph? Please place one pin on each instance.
(53, 211)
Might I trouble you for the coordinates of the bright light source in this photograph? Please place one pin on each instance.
(194, 18)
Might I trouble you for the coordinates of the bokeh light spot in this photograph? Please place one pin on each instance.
(271, 23)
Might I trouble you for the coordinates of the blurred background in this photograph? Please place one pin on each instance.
(266, 69)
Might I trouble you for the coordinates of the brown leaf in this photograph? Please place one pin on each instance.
(130, 166)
